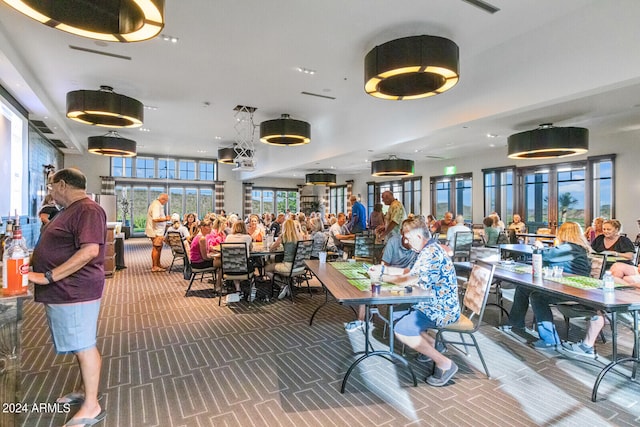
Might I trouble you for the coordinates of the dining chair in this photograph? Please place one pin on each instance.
(472, 310)
(235, 264)
(176, 242)
(462, 241)
(297, 272)
(364, 248)
(193, 273)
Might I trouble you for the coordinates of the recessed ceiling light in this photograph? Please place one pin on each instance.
(305, 70)
(333, 167)
(492, 135)
(202, 151)
(144, 130)
(217, 137)
(417, 151)
(492, 145)
(168, 38)
(150, 107)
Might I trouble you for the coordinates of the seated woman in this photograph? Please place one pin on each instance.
(594, 230)
(613, 243)
(255, 229)
(217, 234)
(288, 238)
(239, 235)
(191, 222)
(571, 254)
(491, 230)
(200, 255)
(434, 270)
(627, 273)
(318, 236)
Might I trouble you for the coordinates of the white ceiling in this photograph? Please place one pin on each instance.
(570, 62)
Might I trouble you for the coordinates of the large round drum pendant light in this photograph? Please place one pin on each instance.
(548, 142)
(285, 131)
(112, 144)
(112, 21)
(392, 167)
(411, 68)
(320, 178)
(105, 108)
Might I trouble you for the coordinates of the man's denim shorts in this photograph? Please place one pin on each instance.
(73, 326)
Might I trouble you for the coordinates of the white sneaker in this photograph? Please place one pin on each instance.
(284, 292)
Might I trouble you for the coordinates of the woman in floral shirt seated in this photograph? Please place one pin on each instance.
(433, 270)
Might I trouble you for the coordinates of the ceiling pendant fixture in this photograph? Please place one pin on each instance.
(113, 21)
(104, 108)
(320, 178)
(229, 155)
(548, 142)
(392, 166)
(112, 144)
(411, 68)
(285, 131)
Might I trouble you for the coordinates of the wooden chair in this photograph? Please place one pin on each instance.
(298, 269)
(472, 310)
(176, 242)
(235, 264)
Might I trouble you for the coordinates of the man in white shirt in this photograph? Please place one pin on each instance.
(156, 221)
(451, 231)
(338, 232)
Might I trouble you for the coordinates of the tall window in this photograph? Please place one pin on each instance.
(407, 191)
(602, 188)
(338, 199)
(552, 194)
(452, 193)
(499, 193)
(274, 200)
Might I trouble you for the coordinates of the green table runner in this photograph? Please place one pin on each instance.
(357, 275)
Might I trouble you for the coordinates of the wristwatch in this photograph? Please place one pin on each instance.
(49, 276)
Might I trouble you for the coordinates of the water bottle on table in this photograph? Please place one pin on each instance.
(609, 283)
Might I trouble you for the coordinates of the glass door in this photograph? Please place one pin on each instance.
(536, 212)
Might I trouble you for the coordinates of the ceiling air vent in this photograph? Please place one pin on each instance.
(41, 126)
(58, 143)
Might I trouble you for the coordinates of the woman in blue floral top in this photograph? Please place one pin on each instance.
(433, 270)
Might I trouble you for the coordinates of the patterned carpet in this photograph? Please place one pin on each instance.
(171, 360)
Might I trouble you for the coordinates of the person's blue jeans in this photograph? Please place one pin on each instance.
(519, 307)
(544, 317)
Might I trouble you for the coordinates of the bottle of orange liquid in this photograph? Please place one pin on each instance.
(16, 265)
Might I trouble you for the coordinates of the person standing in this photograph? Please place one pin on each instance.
(358, 221)
(68, 273)
(394, 217)
(156, 221)
(47, 211)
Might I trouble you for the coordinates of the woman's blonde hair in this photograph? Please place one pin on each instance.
(220, 224)
(289, 231)
(239, 228)
(571, 232)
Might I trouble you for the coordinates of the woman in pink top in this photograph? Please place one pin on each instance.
(217, 234)
(201, 255)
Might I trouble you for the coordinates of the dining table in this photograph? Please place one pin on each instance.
(584, 290)
(348, 283)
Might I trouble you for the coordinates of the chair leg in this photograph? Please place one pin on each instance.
(193, 276)
(171, 266)
(484, 364)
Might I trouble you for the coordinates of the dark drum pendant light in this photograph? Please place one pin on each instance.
(392, 166)
(228, 155)
(411, 68)
(548, 142)
(105, 108)
(113, 21)
(112, 144)
(285, 131)
(320, 178)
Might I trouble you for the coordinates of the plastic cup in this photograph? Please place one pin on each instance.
(557, 271)
(322, 256)
(547, 272)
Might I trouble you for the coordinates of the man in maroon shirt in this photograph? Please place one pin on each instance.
(68, 273)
